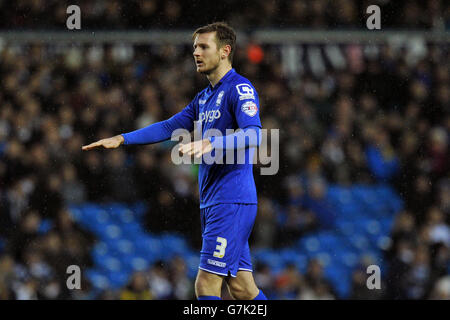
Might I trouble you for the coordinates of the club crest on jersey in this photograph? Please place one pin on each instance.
(249, 108)
(219, 98)
(245, 91)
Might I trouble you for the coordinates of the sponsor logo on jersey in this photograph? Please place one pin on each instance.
(202, 101)
(245, 91)
(217, 263)
(249, 108)
(209, 116)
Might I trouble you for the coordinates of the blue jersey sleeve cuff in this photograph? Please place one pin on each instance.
(125, 142)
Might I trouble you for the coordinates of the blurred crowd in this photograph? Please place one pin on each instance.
(354, 114)
(141, 14)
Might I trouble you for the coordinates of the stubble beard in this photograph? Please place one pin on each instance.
(212, 69)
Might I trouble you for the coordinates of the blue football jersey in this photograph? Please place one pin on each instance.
(232, 103)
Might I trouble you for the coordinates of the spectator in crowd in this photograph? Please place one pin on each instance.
(159, 282)
(137, 289)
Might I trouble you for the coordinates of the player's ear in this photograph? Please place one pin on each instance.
(226, 50)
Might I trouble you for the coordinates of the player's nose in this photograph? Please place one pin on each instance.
(196, 53)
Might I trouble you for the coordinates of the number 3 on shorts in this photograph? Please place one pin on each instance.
(220, 247)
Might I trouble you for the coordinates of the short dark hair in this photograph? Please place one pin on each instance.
(224, 35)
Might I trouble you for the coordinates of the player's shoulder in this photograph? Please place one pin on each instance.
(242, 87)
(238, 79)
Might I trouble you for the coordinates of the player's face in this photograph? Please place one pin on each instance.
(206, 53)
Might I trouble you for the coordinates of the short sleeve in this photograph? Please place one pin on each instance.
(244, 103)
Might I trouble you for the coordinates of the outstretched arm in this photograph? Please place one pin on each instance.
(153, 133)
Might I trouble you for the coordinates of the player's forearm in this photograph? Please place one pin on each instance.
(247, 138)
(153, 133)
(160, 131)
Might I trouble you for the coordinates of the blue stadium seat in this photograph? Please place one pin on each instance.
(112, 263)
(372, 227)
(348, 258)
(324, 257)
(345, 226)
(76, 213)
(100, 248)
(345, 196)
(349, 210)
(45, 226)
(98, 279)
(293, 256)
(130, 229)
(396, 204)
(330, 241)
(257, 252)
(173, 244)
(126, 216)
(383, 242)
(192, 260)
(90, 213)
(137, 235)
(361, 193)
(139, 209)
(287, 254)
(386, 224)
(333, 193)
(309, 245)
(343, 287)
(149, 247)
(390, 203)
(110, 231)
(107, 262)
(340, 278)
(102, 217)
(270, 258)
(301, 262)
(121, 246)
(117, 279)
(134, 262)
(359, 241)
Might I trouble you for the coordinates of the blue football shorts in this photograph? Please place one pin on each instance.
(225, 232)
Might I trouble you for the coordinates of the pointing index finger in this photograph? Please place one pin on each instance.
(91, 146)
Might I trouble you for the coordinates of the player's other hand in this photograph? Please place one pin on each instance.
(109, 143)
(196, 148)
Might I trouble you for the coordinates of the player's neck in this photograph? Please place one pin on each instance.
(218, 74)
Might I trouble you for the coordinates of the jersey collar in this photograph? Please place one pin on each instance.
(223, 79)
